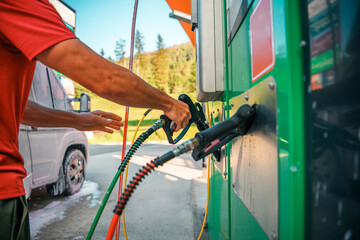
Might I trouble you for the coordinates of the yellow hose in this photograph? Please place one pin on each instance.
(126, 173)
(208, 179)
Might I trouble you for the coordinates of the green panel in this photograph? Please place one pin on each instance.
(292, 168)
(218, 213)
(218, 226)
(288, 74)
(240, 64)
(243, 224)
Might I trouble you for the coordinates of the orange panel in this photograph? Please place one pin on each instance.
(182, 6)
(185, 7)
(187, 28)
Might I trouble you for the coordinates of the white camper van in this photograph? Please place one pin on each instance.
(53, 157)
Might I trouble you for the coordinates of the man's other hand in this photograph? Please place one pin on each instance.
(99, 121)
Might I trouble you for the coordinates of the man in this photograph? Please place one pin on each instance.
(32, 30)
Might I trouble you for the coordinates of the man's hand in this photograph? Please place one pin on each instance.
(37, 115)
(179, 113)
(99, 121)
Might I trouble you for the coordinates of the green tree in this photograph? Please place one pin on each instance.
(119, 50)
(182, 68)
(140, 59)
(192, 79)
(139, 42)
(160, 65)
(102, 52)
(160, 43)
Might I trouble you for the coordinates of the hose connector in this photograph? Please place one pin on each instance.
(181, 149)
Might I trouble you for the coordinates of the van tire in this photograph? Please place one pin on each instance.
(74, 171)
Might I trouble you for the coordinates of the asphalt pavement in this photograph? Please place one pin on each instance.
(168, 204)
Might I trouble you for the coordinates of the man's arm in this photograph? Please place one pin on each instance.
(111, 81)
(39, 116)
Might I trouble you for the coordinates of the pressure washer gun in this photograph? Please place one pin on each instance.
(197, 117)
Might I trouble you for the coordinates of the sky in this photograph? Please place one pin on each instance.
(99, 24)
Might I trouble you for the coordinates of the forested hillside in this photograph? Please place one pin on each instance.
(170, 69)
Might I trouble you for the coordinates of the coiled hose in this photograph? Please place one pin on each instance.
(159, 161)
(140, 140)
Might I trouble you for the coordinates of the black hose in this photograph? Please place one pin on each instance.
(159, 161)
(139, 141)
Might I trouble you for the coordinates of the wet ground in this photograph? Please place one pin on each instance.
(168, 204)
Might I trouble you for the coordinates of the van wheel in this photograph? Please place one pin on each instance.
(74, 171)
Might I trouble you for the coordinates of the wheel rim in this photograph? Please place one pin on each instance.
(76, 171)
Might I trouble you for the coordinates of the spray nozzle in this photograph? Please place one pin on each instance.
(212, 139)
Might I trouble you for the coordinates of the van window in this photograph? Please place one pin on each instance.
(57, 91)
(40, 87)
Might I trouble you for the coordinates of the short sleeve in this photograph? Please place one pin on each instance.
(31, 26)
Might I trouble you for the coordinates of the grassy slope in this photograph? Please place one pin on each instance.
(135, 114)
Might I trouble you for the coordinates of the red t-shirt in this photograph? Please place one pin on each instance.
(27, 27)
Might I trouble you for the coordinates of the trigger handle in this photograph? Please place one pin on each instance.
(167, 129)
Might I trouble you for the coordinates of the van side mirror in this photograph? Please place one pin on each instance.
(85, 103)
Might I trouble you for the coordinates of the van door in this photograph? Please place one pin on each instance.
(43, 141)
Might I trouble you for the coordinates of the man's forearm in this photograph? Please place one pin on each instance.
(38, 116)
